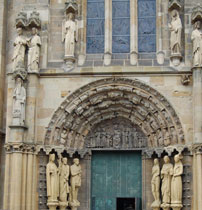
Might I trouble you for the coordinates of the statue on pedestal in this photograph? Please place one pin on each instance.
(75, 181)
(196, 38)
(69, 35)
(34, 44)
(176, 30)
(176, 184)
(155, 184)
(166, 174)
(19, 50)
(52, 180)
(19, 101)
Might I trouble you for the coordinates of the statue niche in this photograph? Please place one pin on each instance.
(117, 133)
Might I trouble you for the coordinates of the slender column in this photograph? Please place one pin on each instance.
(108, 32)
(16, 181)
(24, 180)
(199, 179)
(82, 30)
(159, 39)
(197, 104)
(29, 182)
(133, 32)
(6, 181)
(34, 183)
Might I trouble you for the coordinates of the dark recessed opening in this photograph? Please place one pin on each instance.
(125, 204)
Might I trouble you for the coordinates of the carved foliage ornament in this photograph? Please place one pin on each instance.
(196, 14)
(109, 99)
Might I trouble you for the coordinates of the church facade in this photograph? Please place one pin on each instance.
(101, 104)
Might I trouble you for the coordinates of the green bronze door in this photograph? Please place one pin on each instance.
(115, 175)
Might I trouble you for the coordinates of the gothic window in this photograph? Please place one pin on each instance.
(147, 26)
(95, 26)
(120, 26)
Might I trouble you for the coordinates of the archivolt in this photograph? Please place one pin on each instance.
(110, 98)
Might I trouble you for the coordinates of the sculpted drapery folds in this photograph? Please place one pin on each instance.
(34, 44)
(52, 179)
(196, 38)
(75, 181)
(19, 100)
(155, 183)
(69, 35)
(176, 29)
(176, 183)
(166, 174)
(19, 50)
(63, 179)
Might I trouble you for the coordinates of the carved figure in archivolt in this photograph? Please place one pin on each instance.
(196, 38)
(176, 183)
(166, 174)
(19, 50)
(34, 44)
(52, 179)
(155, 183)
(63, 136)
(19, 100)
(69, 35)
(176, 29)
(64, 172)
(75, 181)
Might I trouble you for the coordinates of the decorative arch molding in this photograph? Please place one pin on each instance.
(111, 98)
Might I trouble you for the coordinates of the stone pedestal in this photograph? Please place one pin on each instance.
(52, 205)
(107, 59)
(176, 206)
(176, 59)
(69, 61)
(74, 206)
(63, 205)
(165, 206)
(133, 58)
(156, 205)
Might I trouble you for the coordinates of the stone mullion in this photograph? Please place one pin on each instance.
(133, 31)
(108, 32)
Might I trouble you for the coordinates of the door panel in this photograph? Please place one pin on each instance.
(115, 174)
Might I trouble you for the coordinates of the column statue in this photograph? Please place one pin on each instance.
(69, 35)
(176, 183)
(52, 180)
(19, 100)
(196, 38)
(19, 50)
(166, 174)
(176, 29)
(155, 184)
(75, 181)
(34, 44)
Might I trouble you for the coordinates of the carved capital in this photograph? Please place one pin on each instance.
(19, 147)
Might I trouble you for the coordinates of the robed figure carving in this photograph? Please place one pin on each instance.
(64, 179)
(69, 35)
(176, 30)
(166, 174)
(19, 100)
(155, 183)
(196, 38)
(19, 50)
(52, 180)
(34, 44)
(176, 183)
(75, 181)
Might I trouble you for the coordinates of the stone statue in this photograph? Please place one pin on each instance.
(75, 181)
(19, 100)
(176, 183)
(155, 183)
(196, 38)
(176, 29)
(63, 179)
(52, 180)
(166, 174)
(63, 136)
(19, 50)
(69, 35)
(34, 44)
